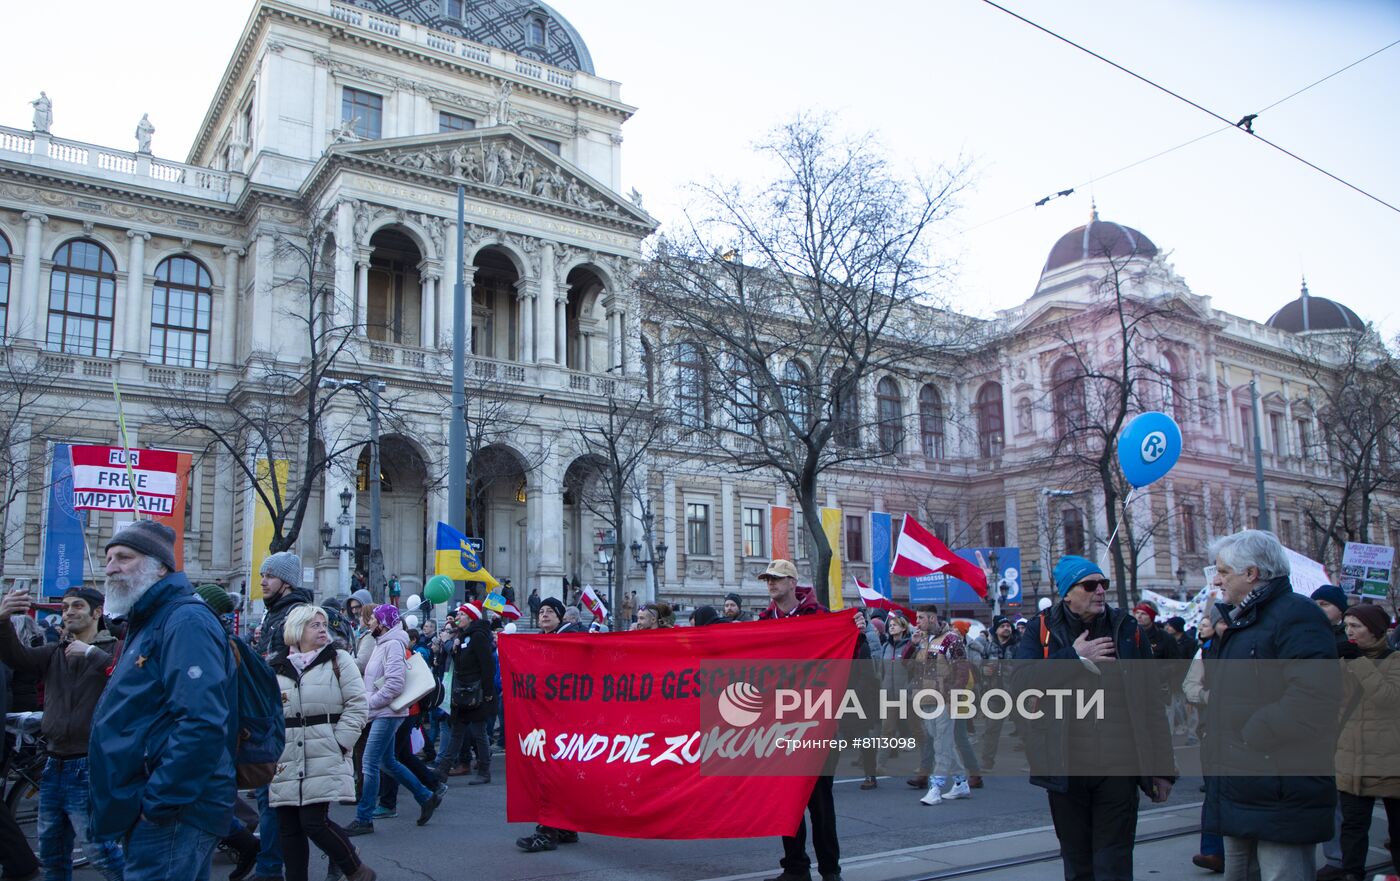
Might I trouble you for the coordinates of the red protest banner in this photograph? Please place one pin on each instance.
(102, 482)
(625, 734)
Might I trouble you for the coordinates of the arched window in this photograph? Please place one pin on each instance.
(691, 386)
(890, 410)
(82, 297)
(534, 32)
(845, 407)
(991, 420)
(180, 304)
(1067, 396)
(931, 422)
(649, 368)
(746, 404)
(797, 394)
(1072, 531)
(4, 285)
(1173, 387)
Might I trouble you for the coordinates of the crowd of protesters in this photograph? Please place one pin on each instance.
(145, 768)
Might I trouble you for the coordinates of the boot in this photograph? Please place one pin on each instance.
(363, 873)
(974, 781)
(245, 847)
(459, 770)
(483, 776)
(919, 780)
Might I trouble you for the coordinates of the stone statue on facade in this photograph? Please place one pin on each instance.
(635, 198)
(237, 149)
(43, 113)
(501, 111)
(362, 213)
(504, 165)
(144, 130)
(528, 171)
(345, 132)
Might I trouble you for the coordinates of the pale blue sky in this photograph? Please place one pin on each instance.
(936, 79)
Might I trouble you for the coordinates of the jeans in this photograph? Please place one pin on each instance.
(822, 809)
(472, 735)
(172, 852)
(269, 843)
(1356, 829)
(964, 745)
(64, 815)
(297, 825)
(379, 751)
(403, 751)
(1332, 850)
(946, 756)
(1249, 860)
(1096, 823)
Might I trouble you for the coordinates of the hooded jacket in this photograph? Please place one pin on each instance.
(71, 686)
(270, 642)
(165, 731)
(386, 672)
(473, 661)
(1249, 717)
(325, 708)
(806, 605)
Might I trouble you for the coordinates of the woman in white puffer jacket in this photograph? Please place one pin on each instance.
(323, 698)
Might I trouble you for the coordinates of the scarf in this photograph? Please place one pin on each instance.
(301, 660)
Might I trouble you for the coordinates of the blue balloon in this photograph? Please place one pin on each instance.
(1148, 448)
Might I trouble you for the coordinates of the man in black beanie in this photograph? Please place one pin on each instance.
(734, 609)
(1332, 600)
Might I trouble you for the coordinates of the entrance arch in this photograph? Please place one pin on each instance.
(496, 511)
(403, 509)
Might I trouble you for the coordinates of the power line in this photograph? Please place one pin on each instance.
(1199, 107)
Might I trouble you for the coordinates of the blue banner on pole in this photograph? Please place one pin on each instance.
(63, 535)
(937, 588)
(880, 549)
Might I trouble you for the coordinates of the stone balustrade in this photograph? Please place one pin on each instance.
(61, 154)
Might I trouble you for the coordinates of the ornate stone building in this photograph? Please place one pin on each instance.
(342, 130)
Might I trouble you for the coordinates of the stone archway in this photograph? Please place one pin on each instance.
(496, 511)
(403, 510)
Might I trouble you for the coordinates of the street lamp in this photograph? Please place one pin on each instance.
(992, 561)
(1035, 579)
(343, 549)
(368, 391)
(651, 555)
(1181, 578)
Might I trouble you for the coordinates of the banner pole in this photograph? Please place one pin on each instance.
(126, 453)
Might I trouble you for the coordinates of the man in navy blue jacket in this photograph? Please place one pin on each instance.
(164, 733)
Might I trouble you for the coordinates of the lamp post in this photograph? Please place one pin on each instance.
(992, 561)
(345, 548)
(1035, 579)
(655, 553)
(368, 391)
(1181, 580)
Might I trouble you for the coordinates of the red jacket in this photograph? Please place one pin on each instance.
(806, 605)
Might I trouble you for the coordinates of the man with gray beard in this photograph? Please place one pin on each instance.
(165, 731)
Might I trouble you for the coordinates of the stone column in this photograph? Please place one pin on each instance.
(427, 335)
(261, 301)
(666, 526)
(342, 263)
(545, 351)
(133, 302)
(726, 532)
(544, 513)
(25, 309)
(228, 327)
(614, 339)
(561, 325)
(221, 541)
(19, 504)
(526, 291)
(361, 319)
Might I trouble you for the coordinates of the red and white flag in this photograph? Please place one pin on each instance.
(510, 612)
(919, 552)
(873, 599)
(593, 604)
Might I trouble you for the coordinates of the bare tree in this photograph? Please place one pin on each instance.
(617, 439)
(1092, 396)
(785, 303)
(32, 404)
(1356, 381)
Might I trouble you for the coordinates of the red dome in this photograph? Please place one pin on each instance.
(1096, 240)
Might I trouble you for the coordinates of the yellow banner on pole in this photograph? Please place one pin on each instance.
(831, 525)
(262, 521)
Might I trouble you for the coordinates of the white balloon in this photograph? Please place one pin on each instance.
(509, 628)
(414, 602)
(411, 622)
(1045, 603)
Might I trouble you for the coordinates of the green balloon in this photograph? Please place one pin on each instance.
(438, 589)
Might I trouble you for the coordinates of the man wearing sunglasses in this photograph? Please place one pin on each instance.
(1092, 769)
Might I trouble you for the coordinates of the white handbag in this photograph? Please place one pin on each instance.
(418, 681)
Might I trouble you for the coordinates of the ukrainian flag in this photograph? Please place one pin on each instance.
(456, 559)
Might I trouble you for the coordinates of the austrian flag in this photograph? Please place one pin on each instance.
(593, 604)
(873, 599)
(919, 552)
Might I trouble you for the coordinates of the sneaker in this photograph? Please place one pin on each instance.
(536, 843)
(791, 876)
(359, 828)
(425, 812)
(383, 813)
(934, 796)
(566, 836)
(959, 790)
(441, 790)
(869, 783)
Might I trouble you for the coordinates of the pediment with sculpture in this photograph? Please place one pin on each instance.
(505, 161)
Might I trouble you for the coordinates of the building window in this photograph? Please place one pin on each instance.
(996, 533)
(942, 530)
(1276, 434)
(1286, 533)
(82, 295)
(534, 32)
(800, 541)
(855, 538)
(991, 420)
(451, 122)
(365, 109)
(453, 9)
(1246, 427)
(1174, 387)
(890, 411)
(845, 409)
(697, 529)
(691, 393)
(753, 532)
(1072, 529)
(4, 284)
(797, 394)
(552, 146)
(1189, 542)
(746, 406)
(931, 422)
(1067, 397)
(180, 306)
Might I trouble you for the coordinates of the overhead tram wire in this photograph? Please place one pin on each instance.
(1205, 110)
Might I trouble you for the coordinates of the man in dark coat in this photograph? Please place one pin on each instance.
(165, 731)
(787, 600)
(1271, 822)
(1085, 767)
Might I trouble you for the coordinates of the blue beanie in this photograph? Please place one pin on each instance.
(1332, 594)
(1070, 570)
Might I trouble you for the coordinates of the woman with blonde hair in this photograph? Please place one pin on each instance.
(323, 700)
